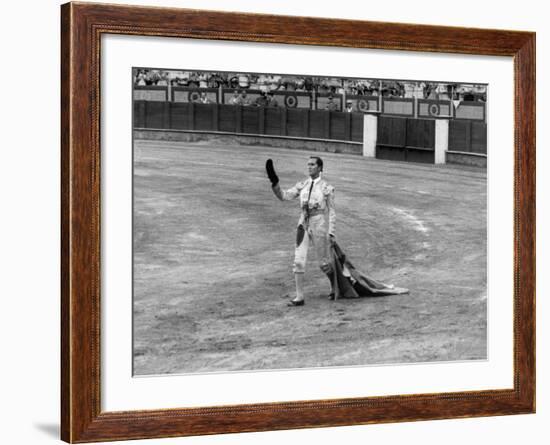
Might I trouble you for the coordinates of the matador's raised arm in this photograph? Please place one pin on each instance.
(287, 195)
(283, 195)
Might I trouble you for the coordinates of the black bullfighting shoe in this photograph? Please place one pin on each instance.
(293, 303)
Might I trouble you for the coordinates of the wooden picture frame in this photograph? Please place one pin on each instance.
(82, 26)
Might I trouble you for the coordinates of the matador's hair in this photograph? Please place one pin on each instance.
(318, 160)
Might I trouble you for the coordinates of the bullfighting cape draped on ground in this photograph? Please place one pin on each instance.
(350, 283)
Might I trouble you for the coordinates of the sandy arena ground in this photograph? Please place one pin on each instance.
(213, 252)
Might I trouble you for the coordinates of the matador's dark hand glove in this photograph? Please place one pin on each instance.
(271, 173)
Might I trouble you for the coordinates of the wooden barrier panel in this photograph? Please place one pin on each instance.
(392, 131)
(479, 137)
(406, 139)
(293, 99)
(420, 140)
(357, 126)
(428, 108)
(304, 100)
(322, 101)
(287, 99)
(154, 115)
(203, 119)
(363, 104)
(337, 126)
(421, 133)
(459, 136)
(317, 124)
(250, 98)
(398, 106)
(471, 110)
(150, 93)
(227, 118)
(139, 114)
(392, 138)
(180, 116)
(468, 136)
(187, 94)
(297, 122)
(250, 120)
(272, 124)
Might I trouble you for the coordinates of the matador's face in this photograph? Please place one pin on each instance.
(312, 168)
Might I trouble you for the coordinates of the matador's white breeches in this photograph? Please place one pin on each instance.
(314, 234)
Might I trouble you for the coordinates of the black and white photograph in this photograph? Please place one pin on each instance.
(285, 221)
(150, 261)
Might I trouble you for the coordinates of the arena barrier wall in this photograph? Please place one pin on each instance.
(280, 121)
(391, 137)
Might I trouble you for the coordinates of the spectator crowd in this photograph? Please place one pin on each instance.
(269, 83)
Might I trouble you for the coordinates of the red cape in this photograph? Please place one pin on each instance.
(350, 283)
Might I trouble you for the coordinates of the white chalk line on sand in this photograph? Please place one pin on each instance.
(417, 223)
